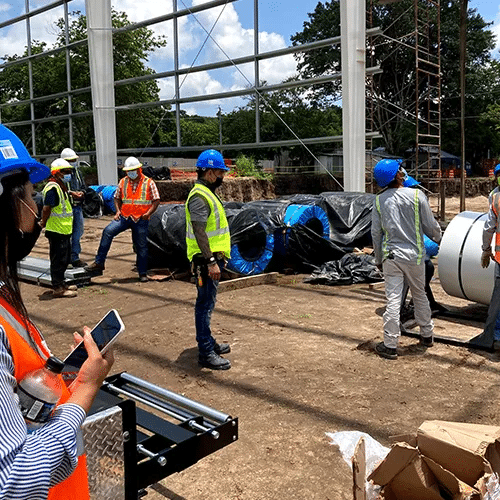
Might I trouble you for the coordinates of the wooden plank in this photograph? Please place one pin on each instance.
(359, 471)
(246, 281)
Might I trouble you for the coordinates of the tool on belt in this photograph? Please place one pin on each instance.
(199, 267)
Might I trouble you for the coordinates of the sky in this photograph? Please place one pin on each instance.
(278, 21)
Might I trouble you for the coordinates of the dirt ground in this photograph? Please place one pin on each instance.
(303, 365)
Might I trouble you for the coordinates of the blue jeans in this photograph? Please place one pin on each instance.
(139, 238)
(205, 303)
(77, 233)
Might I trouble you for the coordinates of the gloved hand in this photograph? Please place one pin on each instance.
(486, 257)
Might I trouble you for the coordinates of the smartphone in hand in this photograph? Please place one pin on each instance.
(104, 334)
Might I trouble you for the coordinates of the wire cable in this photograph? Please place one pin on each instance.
(261, 96)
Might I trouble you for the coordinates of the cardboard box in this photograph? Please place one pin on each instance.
(445, 460)
(470, 451)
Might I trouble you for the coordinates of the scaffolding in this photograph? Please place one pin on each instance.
(424, 160)
(428, 95)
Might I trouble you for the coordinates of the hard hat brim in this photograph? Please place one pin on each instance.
(135, 167)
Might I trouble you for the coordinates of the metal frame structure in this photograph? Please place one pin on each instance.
(103, 33)
(426, 108)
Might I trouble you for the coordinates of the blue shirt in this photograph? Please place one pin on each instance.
(32, 463)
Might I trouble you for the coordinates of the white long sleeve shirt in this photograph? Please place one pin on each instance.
(400, 218)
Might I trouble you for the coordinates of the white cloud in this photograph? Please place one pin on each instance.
(496, 31)
(5, 7)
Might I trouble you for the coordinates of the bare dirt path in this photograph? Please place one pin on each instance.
(303, 365)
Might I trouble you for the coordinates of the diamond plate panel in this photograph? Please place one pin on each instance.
(103, 440)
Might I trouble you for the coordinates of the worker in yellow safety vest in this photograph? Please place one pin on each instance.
(208, 246)
(57, 219)
(41, 463)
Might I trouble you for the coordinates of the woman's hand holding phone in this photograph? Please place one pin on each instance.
(92, 373)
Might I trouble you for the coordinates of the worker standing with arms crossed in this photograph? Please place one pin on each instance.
(57, 219)
(208, 246)
(400, 218)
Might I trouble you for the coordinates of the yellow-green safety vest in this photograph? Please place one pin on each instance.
(61, 216)
(217, 228)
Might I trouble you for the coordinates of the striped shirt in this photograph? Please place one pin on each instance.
(31, 463)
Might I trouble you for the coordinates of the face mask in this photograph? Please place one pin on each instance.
(67, 177)
(216, 184)
(405, 174)
(132, 174)
(21, 243)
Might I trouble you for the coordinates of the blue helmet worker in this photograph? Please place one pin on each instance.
(401, 216)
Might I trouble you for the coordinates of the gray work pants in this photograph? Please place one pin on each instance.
(395, 273)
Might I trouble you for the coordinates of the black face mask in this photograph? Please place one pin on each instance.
(217, 183)
(21, 244)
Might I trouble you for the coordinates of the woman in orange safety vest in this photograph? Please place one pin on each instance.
(44, 463)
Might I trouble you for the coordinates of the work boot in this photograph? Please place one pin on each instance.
(143, 278)
(386, 352)
(78, 263)
(213, 361)
(73, 288)
(94, 268)
(222, 348)
(427, 341)
(61, 292)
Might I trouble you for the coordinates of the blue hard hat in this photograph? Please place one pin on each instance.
(14, 156)
(211, 159)
(431, 247)
(385, 171)
(497, 170)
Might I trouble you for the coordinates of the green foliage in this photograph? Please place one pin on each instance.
(395, 88)
(285, 114)
(131, 50)
(247, 167)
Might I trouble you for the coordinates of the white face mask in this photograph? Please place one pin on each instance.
(132, 174)
(67, 177)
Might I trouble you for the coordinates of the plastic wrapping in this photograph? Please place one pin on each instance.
(350, 269)
(252, 241)
(107, 193)
(167, 238)
(350, 216)
(307, 250)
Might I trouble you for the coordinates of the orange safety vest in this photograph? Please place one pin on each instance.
(26, 359)
(135, 202)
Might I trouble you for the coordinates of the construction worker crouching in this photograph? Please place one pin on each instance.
(57, 219)
(77, 193)
(208, 246)
(136, 199)
(400, 218)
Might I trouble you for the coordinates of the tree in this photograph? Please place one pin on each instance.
(395, 88)
(284, 114)
(131, 50)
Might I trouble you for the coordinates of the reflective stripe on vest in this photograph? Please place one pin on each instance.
(135, 203)
(61, 216)
(495, 206)
(385, 250)
(420, 243)
(217, 228)
(25, 359)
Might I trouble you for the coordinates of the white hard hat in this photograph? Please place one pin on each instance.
(60, 164)
(131, 163)
(68, 154)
